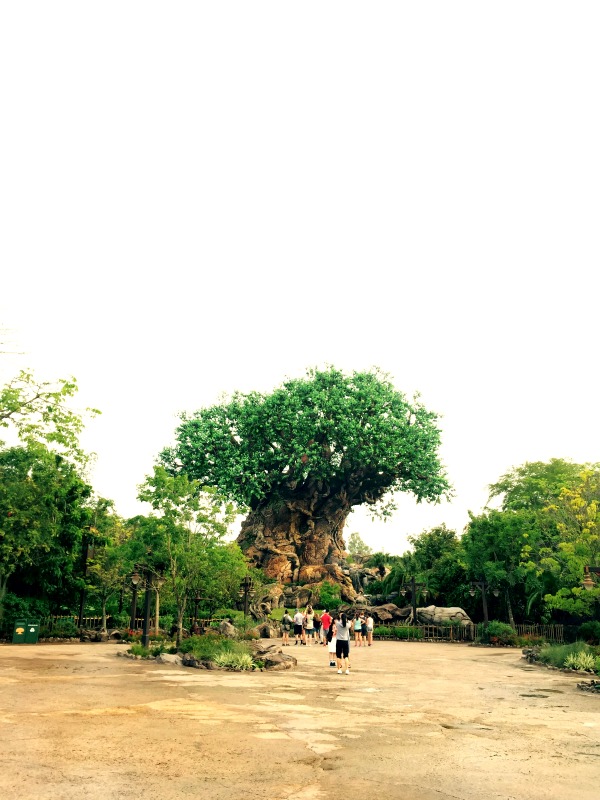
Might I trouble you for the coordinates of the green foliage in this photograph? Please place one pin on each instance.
(580, 660)
(534, 485)
(38, 412)
(353, 434)
(557, 655)
(329, 596)
(589, 632)
(357, 549)
(234, 661)
(62, 629)
(16, 607)
(208, 647)
(496, 633)
(43, 513)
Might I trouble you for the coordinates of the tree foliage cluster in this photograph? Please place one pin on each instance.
(59, 539)
(531, 549)
(352, 438)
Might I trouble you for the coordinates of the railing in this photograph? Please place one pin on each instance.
(429, 633)
(551, 633)
(467, 633)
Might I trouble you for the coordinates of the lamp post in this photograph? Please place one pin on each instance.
(147, 601)
(413, 586)
(158, 584)
(588, 582)
(135, 579)
(482, 586)
(246, 591)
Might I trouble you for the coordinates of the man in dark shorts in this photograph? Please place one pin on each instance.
(298, 623)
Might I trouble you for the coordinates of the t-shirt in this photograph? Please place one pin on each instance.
(326, 621)
(298, 618)
(286, 622)
(343, 633)
(357, 624)
(370, 623)
(310, 622)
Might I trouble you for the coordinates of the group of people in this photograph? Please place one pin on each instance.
(333, 633)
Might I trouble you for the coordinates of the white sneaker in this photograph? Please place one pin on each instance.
(347, 672)
(339, 671)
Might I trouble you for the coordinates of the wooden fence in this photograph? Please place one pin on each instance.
(466, 633)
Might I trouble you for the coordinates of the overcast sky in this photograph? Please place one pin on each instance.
(197, 198)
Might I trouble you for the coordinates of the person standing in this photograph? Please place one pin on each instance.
(326, 621)
(298, 629)
(286, 626)
(309, 619)
(357, 629)
(318, 628)
(370, 626)
(331, 643)
(342, 644)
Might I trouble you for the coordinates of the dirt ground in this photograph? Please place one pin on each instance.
(414, 721)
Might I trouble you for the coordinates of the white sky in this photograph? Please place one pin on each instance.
(197, 198)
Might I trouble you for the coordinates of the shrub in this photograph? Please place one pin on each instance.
(63, 629)
(166, 622)
(589, 632)
(329, 596)
(235, 661)
(496, 633)
(557, 655)
(530, 640)
(597, 665)
(138, 650)
(580, 660)
(120, 620)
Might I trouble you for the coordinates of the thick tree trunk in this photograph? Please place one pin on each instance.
(299, 541)
(3, 588)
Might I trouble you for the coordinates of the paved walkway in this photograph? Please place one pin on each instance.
(414, 721)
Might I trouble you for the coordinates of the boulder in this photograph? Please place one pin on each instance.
(169, 658)
(436, 615)
(227, 629)
(279, 661)
(266, 631)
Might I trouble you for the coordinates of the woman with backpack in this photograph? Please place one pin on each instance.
(286, 627)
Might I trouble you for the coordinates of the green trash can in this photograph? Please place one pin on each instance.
(32, 631)
(19, 631)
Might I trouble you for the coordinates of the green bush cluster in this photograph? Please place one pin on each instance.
(496, 632)
(63, 629)
(565, 654)
(208, 647)
(589, 632)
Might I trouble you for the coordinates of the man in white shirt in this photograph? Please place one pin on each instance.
(298, 626)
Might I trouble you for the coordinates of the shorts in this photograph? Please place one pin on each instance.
(363, 630)
(310, 631)
(342, 649)
(297, 630)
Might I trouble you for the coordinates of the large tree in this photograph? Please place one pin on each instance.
(301, 457)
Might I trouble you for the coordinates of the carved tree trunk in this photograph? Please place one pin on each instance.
(299, 540)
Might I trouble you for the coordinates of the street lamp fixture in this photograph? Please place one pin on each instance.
(482, 586)
(413, 586)
(588, 582)
(135, 579)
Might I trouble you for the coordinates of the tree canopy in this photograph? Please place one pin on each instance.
(352, 434)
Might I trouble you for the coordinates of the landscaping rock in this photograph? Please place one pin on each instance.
(227, 629)
(266, 631)
(279, 661)
(169, 658)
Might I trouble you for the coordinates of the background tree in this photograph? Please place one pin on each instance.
(358, 550)
(185, 533)
(576, 513)
(39, 411)
(303, 456)
(43, 513)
